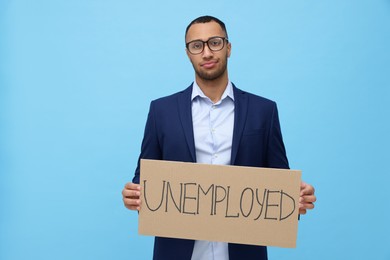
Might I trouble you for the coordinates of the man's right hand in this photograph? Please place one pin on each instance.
(131, 196)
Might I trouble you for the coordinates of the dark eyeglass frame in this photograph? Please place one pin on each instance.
(224, 39)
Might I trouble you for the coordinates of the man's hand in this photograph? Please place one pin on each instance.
(131, 196)
(307, 198)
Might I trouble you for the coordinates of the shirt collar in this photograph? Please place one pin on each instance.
(196, 91)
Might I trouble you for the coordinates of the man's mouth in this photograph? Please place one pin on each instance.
(209, 64)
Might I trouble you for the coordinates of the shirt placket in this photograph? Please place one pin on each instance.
(213, 119)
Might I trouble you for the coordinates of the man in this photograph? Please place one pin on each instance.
(212, 122)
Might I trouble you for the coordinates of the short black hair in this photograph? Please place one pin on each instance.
(207, 19)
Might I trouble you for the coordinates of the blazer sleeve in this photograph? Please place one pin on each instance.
(276, 152)
(150, 148)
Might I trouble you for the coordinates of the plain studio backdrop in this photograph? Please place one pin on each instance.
(76, 80)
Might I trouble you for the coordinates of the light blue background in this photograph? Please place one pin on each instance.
(76, 80)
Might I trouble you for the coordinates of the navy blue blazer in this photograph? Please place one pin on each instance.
(257, 142)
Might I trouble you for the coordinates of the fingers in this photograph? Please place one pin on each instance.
(303, 207)
(131, 196)
(305, 203)
(307, 198)
(306, 189)
(131, 193)
(132, 204)
(302, 211)
(132, 186)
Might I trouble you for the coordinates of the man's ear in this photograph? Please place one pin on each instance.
(229, 49)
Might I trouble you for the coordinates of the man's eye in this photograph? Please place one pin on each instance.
(197, 45)
(215, 42)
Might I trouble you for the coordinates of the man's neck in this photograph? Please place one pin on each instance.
(213, 89)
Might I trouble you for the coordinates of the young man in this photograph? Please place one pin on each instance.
(212, 122)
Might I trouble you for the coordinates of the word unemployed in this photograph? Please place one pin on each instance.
(194, 199)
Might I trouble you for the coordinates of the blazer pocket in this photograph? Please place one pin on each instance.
(253, 132)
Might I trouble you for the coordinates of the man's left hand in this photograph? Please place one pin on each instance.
(307, 198)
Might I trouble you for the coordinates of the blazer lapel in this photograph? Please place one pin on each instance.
(185, 111)
(240, 113)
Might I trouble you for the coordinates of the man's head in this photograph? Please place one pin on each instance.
(207, 19)
(208, 48)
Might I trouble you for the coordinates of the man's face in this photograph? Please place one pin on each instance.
(208, 65)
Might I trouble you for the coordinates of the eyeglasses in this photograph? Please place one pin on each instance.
(214, 43)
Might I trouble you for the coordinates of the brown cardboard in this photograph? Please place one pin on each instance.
(245, 205)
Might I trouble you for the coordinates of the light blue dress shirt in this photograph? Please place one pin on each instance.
(213, 135)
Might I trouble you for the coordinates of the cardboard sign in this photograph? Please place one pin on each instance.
(246, 205)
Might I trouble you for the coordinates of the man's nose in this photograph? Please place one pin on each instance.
(207, 53)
